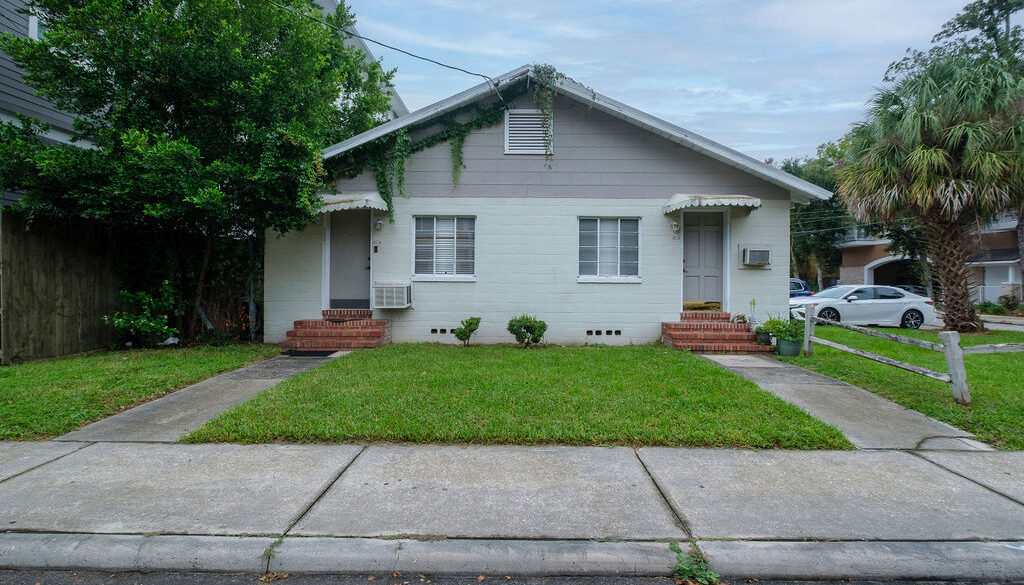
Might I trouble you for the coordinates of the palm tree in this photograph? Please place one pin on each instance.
(944, 145)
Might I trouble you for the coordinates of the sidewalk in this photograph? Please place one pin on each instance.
(113, 497)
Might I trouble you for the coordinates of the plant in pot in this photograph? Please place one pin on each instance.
(790, 336)
(765, 331)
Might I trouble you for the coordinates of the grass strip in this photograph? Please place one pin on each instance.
(52, 397)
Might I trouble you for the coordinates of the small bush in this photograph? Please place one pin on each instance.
(143, 322)
(1009, 301)
(990, 308)
(527, 329)
(468, 328)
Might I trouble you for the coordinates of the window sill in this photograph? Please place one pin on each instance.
(609, 279)
(442, 278)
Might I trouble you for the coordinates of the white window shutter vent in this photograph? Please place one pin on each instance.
(526, 132)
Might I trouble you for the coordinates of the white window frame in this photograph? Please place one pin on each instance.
(442, 277)
(548, 148)
(618, 279)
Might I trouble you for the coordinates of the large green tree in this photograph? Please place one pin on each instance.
(945, 145)
(202, 119)
(817, 228)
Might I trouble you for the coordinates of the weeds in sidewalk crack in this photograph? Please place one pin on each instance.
(691, 568)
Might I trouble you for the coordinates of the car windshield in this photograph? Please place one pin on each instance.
(834, 292)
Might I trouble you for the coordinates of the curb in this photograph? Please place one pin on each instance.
(126, 552)
(1000, 561)
(120, 552)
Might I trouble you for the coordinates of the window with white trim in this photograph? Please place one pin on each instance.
(527, 132)
(609, 247)
(35, 27)
(445, 246)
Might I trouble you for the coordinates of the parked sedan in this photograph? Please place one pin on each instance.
(868, 305)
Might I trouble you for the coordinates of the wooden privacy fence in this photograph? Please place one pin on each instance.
(950, 347)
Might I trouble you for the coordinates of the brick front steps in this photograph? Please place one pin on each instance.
(710, 332)
(339, 329)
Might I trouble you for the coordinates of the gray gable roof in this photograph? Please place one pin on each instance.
(798, 188)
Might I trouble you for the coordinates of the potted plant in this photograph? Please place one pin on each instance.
(790, 336)
(765, 331)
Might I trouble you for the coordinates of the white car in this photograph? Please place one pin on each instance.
(860, 304)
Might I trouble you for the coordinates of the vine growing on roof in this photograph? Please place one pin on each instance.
(387, 155)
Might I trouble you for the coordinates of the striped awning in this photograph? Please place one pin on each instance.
(344, 201)
(685, 200)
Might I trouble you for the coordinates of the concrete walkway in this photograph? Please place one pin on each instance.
(866, 419)
(169, 418)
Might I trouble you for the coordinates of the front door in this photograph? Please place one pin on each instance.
(702, 257)
(350, 259)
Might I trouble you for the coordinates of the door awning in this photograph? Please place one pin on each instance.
(686, 200)
(345, 201)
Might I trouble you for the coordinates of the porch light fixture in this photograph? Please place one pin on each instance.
(378, 225)
(675, 226)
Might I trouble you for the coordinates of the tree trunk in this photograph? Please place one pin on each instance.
(949, 256)
(1020, 250)
(201, 282)
(818, 272)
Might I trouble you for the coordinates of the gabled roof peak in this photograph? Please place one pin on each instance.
(576, 91)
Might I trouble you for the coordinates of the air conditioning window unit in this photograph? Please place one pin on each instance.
(757, 257)
(392, 296)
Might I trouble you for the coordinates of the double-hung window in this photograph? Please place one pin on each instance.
(445, 246)
(609, 248)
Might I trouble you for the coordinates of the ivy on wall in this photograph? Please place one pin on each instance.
(387, 155)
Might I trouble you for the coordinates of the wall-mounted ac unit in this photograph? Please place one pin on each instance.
(392, 296)
(757, 257)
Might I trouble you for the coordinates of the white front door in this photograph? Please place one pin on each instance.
(350, 260)
(702, 257)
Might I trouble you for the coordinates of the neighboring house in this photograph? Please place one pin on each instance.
(54, 283)
(993, 256)
(631, 218)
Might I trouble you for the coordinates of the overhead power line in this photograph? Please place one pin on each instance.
(490, 80)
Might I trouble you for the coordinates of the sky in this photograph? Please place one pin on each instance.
(770, 78)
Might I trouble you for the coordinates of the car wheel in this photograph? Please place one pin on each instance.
(912, 319)
(829, 313)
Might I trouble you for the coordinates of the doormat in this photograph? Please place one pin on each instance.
(309, 352)
(702, 306)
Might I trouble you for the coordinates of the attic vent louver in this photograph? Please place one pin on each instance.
(525, 132)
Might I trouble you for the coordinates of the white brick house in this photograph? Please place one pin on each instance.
(631, 217)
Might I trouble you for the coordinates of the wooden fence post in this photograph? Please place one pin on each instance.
(955, 362)
(809, 330)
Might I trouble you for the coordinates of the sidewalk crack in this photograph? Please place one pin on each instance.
(323, 492)
(970, 479)
(680, 519)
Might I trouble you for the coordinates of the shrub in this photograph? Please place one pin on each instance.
(1009, 301)
(527, 329)
(468, 328)
(143, 322)
(990, 308)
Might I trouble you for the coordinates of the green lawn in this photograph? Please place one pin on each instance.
(996, 414)
(53, 397)
(593, 395)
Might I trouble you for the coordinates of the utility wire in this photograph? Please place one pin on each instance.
(490, 80)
